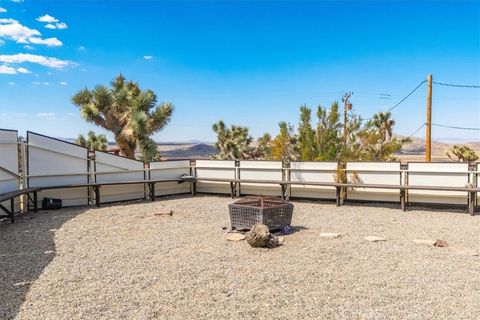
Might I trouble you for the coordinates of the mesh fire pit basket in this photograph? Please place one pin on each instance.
(271, 211)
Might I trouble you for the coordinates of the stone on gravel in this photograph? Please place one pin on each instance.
(427, 242)
(440, 243)
(331, 235)
(374, 239)
(235, 237)
(22, 283)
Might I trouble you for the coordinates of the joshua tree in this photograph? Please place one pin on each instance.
(283, 146)
(93, 141)
(306, 135)
(132, 114)
(384, 122)
(462, 154)
(232, 143)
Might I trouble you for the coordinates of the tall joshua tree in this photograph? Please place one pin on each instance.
(132, 114)
(232, 143)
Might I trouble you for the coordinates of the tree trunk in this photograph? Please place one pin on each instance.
(127, 144)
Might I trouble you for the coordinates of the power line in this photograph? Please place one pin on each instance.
(456, 85)
(419, 128)
(454, 127)
(408, 95)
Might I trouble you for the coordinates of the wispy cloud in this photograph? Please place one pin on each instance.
(148, 57)
(23, 70)
(46, 115)
(4, 69)
(38, 59)
(17, 1)
(28, 47)
(2, 10)
(63, 83)
(47, 18)
(81, 48)
(11, 29)
(50, 26)
(11, 83)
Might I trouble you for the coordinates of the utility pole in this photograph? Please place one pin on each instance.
(428, 135)
(346, 106)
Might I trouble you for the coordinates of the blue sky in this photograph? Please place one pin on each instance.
(251, 63)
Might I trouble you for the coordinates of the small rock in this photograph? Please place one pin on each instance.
(48, 252)
(53, 230)
(330, 235)
(440, 243)
(280, 239)
(374, 239)
(21, 284)
(428, 242)
(467, 252)
(235, 237)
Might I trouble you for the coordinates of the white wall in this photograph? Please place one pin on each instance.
(223, 169)
(249, 170)
(389, 174)
(165, 170)
(437, 174)
(52, 162)
(113, 168)
(9, 161)
(325, 172)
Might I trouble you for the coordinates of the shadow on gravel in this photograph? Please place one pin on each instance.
(26, 248)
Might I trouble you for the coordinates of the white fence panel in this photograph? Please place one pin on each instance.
(218, 169)
(113, 168)
(312, 171)
(437, 174)
(260, 170)
(387, 173)
(165, 170)
(52, 162)
(9, 161)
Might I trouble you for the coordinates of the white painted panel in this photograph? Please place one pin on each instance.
(381, 173)
(9, 161)
(164, 170)
(52, 162)
(326, 173)
(438, 174)
(252, 170)
(113, 168)
(218, 169)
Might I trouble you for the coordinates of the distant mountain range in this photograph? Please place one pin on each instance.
(199, 149)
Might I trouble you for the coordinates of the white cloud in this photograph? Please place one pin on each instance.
(3, 10)
(11, 83)
(21, 115)
(147, 57)
(63, 83)
(11, 29)
(50, 42)
(33, 58)
(47, 18)
(81, 48)
(61, 25)
(23, 70)
(17, 1)
(36, 83)
(28, 47)
(5, 69)
(45, 114)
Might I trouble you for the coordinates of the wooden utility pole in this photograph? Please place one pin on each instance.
(346, 106)
(428, 147)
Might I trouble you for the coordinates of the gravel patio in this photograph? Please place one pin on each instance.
(124, 262)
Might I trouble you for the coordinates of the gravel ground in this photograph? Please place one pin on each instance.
(123, 262)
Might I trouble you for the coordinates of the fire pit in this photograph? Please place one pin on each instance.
(271, 211)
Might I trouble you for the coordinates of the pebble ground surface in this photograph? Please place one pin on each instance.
(124, 262)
